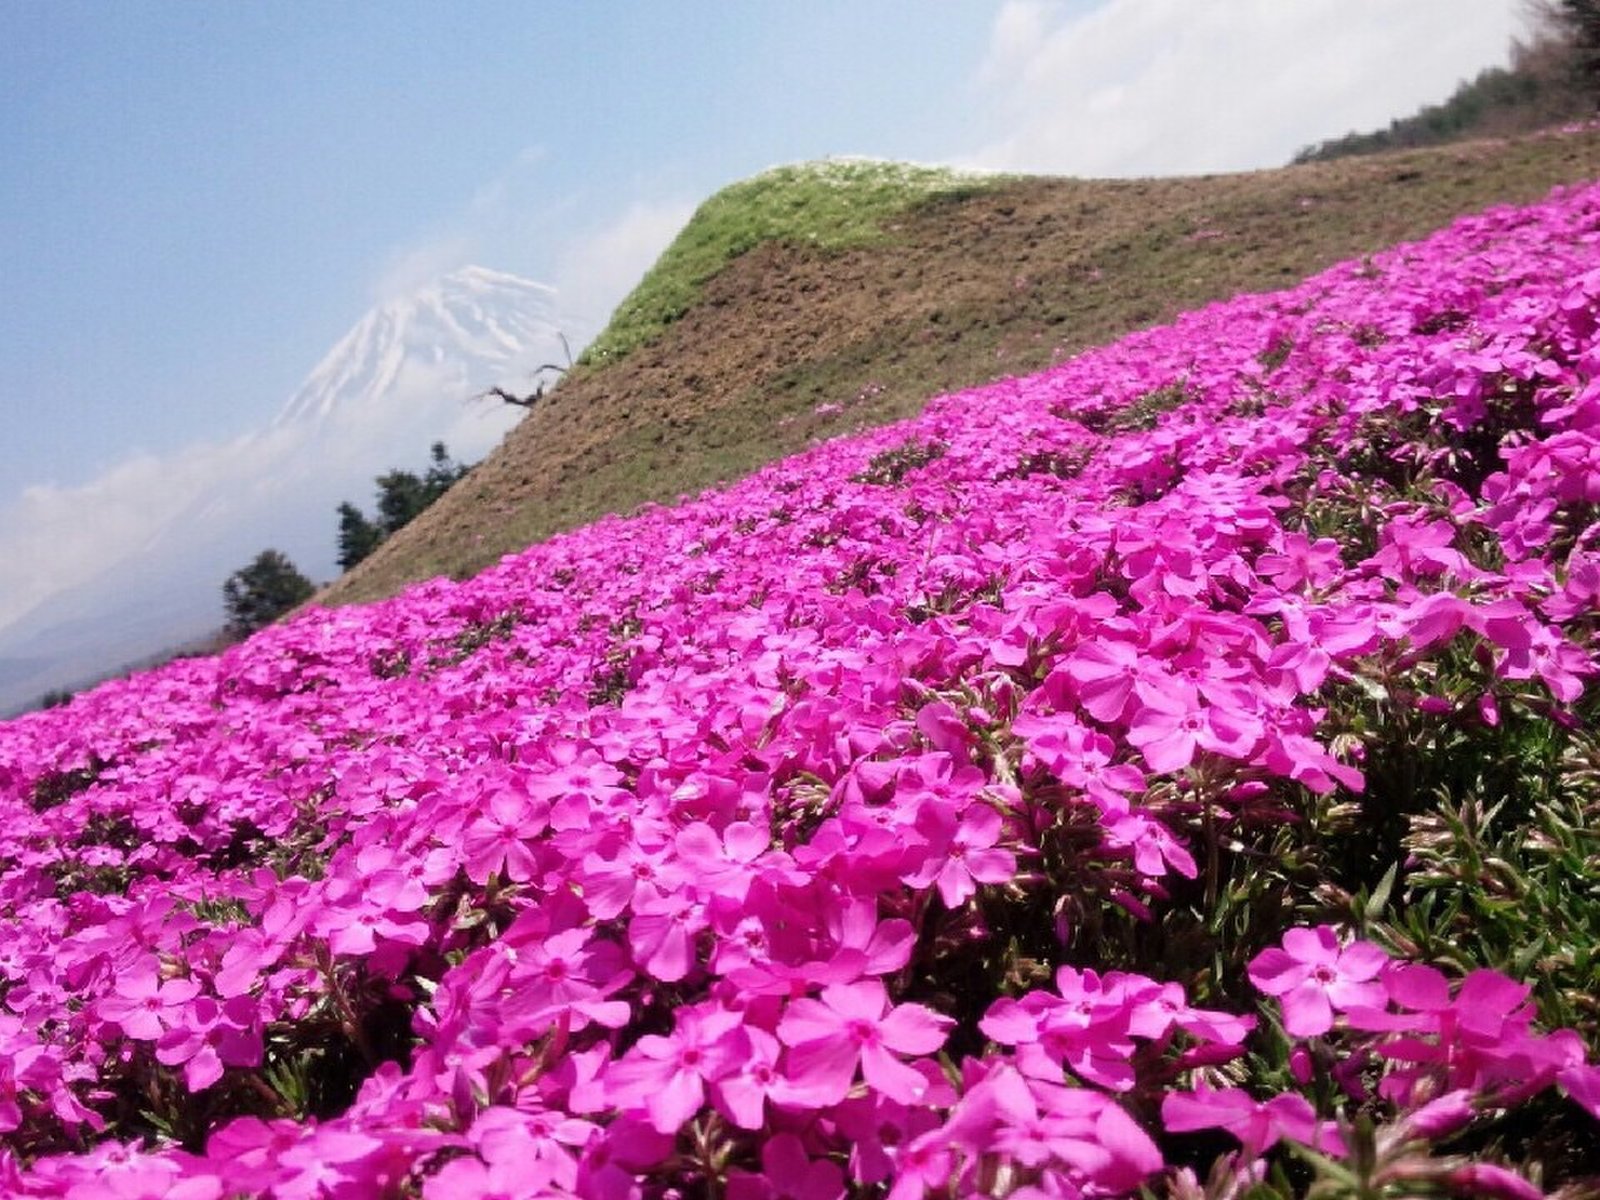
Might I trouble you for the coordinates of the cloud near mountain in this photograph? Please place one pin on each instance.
(1135, 87)
(131, 563)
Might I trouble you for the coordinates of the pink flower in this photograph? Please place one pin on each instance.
(666, 1076)
(788, 1173)
(501, 838)
(145, 1007)
(1312, 976)
(743, 1093)
(1172, 724)
(960, 853)
(1496, 1182)
(1582, 1083)
(1257, 1124)
(854, 1025)
(212, 1037)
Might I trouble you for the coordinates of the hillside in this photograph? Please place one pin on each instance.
(792, 340)
(1173, 775)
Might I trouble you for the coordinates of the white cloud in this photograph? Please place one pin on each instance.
(131, 563)
(410, 267)
(60, 538)
(1146, 87)
(603, 266)
(503, 214)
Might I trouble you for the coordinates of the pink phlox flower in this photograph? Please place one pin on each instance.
(611, 885)
(663, 932)
(1482, 1038)
(522, 1154)
(474, 1179)
(394, 879)
(352, 925)
(113, 1171)
(790, 952)
(666, 1077)
(1561, 665)
(961, 852)
(1257, 1124)
(742, 1093)
(1083, 1135)
(854, 1025)
(1171, 724)
(611, 1165)
(1080, 758)
(878, 1130)
(569, 976)
(944, 729)
(1303, 759)
(722, 865)
(1154, 848)
(1301, 563)
(501, 839)
(1313, 976)
(1085, 1028)
(1582, 1083)
(212, 1036)
(249, 953)
(787, 1173)
(1580, 593)
(1103, 672)
(145, 1006)
(1155, 1008)
(857, 934)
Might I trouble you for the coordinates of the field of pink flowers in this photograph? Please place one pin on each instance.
(1177, 770)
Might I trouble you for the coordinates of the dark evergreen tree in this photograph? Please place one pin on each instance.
(358, 537)
(262, 592)
(401, 496)
(1582, 21)
(443, 474)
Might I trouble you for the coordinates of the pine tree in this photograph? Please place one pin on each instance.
(401, 496)
(262, 592)
(1582, 21)
(358, 537)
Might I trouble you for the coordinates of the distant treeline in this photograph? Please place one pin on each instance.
(1551, 79)
(402, 496)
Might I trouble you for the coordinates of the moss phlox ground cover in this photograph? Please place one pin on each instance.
(1018, 801)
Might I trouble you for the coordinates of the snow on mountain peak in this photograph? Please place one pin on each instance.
(466, 331)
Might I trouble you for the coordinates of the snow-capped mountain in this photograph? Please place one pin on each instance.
(474, 327)
(404, 377)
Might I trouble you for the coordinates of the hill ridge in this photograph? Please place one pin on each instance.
(789, 342)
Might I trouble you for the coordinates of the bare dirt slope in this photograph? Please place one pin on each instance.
(788, 344)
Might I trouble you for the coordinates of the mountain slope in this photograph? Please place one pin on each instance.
(789, 342)
(487, 325)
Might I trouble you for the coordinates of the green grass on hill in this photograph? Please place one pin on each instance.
(831, 204)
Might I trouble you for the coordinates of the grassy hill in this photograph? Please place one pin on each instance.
(819, 299)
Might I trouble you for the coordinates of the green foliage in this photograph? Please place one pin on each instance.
(832, 205)
(890, 467)
(258, 594)
(402, 497)
(1555, 78)
(358, 537)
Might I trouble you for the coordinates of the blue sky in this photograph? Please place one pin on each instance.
(197, 200)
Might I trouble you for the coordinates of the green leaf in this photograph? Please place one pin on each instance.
(1379, 900)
